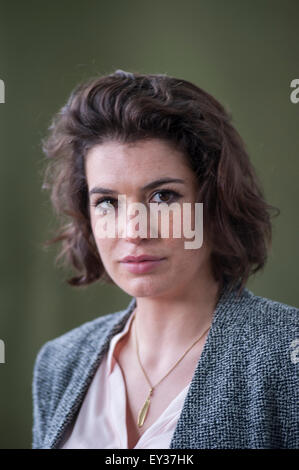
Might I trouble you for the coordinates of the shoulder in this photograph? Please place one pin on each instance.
(264, 312)
(66, 351)
(268, 330)
(254, 314)
(79, 334)
(62, 361)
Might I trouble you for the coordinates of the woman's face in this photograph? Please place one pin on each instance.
(125, 169)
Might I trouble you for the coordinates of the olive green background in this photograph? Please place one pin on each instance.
(245, 53)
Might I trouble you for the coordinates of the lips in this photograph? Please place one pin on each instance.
(143, 265)
(138, 259)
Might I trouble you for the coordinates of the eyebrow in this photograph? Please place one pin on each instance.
(152, 185)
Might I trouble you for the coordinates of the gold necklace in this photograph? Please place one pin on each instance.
(144, 410)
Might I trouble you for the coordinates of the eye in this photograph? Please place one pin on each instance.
(166, 194)
(102, 205)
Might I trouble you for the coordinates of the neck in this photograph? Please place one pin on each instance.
(171, 324)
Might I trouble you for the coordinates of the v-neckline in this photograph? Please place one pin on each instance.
(123, 432)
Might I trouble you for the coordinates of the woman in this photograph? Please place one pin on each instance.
(196, 360)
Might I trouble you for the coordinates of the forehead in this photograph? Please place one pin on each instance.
(112, 161)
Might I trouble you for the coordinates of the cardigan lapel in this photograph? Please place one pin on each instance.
(226, 317)
(90, 358)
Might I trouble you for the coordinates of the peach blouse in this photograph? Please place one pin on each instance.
(101, 421)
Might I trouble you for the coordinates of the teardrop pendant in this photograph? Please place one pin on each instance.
(144, 410)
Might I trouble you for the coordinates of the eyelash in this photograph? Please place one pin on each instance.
(174, 195)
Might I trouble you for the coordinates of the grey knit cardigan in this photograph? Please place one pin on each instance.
(243, 394)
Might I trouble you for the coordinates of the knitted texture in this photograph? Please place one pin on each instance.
(243, 394)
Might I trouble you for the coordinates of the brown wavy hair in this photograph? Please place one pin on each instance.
(129, 107)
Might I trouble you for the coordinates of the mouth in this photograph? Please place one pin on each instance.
(140, 267)
(140, 259)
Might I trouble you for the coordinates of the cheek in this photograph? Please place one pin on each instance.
(103, 244)
(190, 262)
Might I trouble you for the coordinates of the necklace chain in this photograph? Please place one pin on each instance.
(144, 409)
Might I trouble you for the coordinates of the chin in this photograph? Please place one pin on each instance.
(144, 287)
